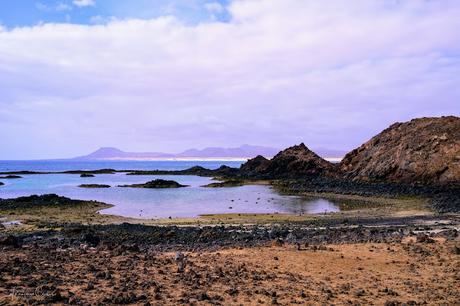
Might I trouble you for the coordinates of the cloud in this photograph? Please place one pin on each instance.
(83, 3)
(63, 7)
(58, 7)
(214, 7)
(278, 72)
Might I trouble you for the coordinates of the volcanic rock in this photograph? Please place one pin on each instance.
(157, 184)
(94, 186)
(256, 165)
(294, 162)
(11, 177)
(227, 183)
(424, 150)
(87, 175)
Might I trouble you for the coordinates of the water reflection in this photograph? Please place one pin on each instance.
(162, 203)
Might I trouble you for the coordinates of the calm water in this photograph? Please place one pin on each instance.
(154, 203)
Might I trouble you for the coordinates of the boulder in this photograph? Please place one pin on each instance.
(424, 151)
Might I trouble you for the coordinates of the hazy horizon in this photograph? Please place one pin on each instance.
(170, 75)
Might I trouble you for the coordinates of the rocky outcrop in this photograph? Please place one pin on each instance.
(425, 150)
(294, 162)
(94, 186)
(157, 184)
(255, 166)
(1, 184)
(227, 183)
(10, 177)
(86, 175)
(35, 201)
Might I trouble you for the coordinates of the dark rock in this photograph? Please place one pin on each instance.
(425, 150)
(10, 241)
(11, 177)
(94, 186)
(227, 183)
(255, 166)
(159, 183)
(294, 162)
(91, 239)
(1, 184)
(35, 201)
(86, 175)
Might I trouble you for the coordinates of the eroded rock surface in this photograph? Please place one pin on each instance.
(296, 161)
(425, 150)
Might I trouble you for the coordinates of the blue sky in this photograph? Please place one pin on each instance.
(76, 75)
(32, 12)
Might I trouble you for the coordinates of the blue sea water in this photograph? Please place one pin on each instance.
(192, 201)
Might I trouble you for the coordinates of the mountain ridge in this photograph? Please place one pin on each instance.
(242, 152)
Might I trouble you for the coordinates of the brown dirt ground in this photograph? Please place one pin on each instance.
(347, 274)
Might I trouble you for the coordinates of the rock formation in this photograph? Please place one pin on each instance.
(294, 162)
(86, 175)
(11, 177)
(227, 183)
(425, 150)
(255, 166)
(94, 186)
(157, 184)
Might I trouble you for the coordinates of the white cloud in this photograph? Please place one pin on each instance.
(83, 3)
(214, 7)
(279, 72)
(59, 7)
(63, 7)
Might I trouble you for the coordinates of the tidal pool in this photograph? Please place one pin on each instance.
(163, 203)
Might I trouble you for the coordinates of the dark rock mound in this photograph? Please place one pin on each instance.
(228, 183)
(34, 201)
(1, 184)
(94, 186)
(156, 184)
(99, 171)
(11, 177)
(255, 166)
(294, 162)
(196, 170)
(86, 175)
(425, 150)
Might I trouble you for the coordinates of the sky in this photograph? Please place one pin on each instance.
(158, 75)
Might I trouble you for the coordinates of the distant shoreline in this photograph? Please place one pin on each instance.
(244, 159)
(196, 159)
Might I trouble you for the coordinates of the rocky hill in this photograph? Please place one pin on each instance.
(294, 162)
(425, 150)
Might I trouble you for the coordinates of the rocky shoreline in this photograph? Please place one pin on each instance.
(221, 265)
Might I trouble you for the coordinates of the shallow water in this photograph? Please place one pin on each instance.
(157, 203)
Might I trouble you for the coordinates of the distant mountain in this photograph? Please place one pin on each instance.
(329, 153)
(245, 151)
(114, 153)
(242, 152)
